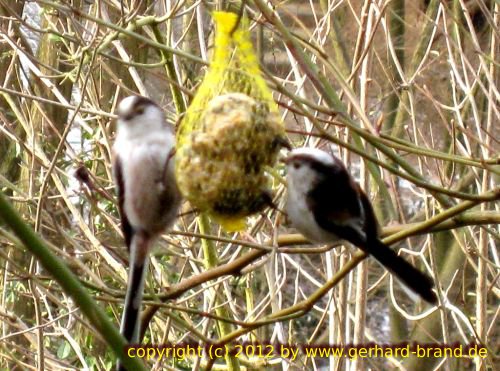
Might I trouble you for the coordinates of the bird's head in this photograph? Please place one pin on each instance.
(306, 164)
(139, 115)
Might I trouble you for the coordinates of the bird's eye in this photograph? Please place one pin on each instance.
(139, 110)
(296, 165)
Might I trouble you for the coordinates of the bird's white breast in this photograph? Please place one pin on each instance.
(145, 177)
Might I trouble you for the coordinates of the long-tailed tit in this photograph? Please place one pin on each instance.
(325, 204)
(143, 167)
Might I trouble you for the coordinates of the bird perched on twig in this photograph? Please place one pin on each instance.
(325, 204)
(148, 197)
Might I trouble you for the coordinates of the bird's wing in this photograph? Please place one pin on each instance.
(126, 227)
(336, 206)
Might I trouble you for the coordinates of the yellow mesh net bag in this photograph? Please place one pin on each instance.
(230, 132)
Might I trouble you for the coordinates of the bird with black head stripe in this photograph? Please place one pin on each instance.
(148, 197)
(326, 205)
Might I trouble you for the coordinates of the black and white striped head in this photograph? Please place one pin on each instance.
(139, 115)
(306, 165)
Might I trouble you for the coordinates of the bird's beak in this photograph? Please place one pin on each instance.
(284, 142)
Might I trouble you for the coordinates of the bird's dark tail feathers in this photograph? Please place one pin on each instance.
(417, 281)
(130, 318)
(130, 323)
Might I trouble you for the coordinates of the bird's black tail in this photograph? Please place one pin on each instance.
(130, 323)
(130, 318)
(417, 281)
